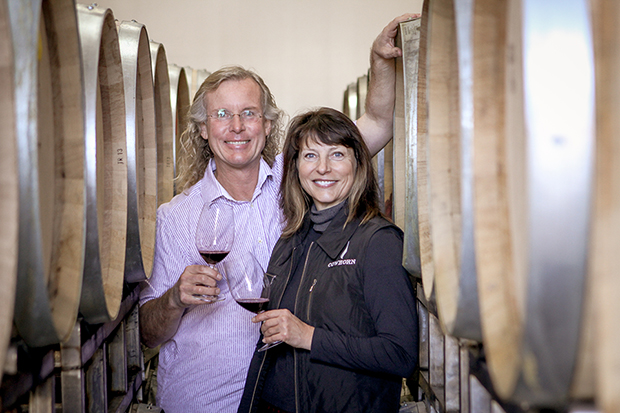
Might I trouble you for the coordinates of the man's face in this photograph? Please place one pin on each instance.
(236, 143)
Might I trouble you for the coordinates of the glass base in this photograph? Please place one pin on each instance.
(268, 346)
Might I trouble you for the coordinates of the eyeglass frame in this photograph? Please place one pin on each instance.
(232, 115)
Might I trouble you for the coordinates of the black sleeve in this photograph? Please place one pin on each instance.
(390, 299)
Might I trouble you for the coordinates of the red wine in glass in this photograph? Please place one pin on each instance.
(213, 257)
(215, 234)
(249, 285)
(255, 305)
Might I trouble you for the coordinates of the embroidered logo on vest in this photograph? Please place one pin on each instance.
(342, 260)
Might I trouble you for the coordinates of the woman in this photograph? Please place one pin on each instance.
(341, 300)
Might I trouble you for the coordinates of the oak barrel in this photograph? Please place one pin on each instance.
(360, 93)
(106, 165)
(361, 90)
(141, 150)
(604, 252)
(450, 100)
(50, 125)
(195, 78)
(163, 123)
(534, 144)
(423, 195)
(9, 188)
(405, 135)
(349, 104)
(179, 101)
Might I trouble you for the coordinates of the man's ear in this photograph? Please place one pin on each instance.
(267, 127)
(203, 131)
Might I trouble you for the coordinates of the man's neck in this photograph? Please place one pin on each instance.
(239, 183)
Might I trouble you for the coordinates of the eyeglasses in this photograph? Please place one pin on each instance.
(225, 116)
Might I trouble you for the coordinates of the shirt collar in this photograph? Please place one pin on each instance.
(212, 189)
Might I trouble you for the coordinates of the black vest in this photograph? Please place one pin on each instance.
(330, 297)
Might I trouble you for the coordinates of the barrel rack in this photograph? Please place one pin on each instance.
(453, 376)
(99, 369)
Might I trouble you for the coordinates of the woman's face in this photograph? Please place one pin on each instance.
(326, 172)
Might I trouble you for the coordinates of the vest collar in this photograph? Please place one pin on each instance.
(335, 237)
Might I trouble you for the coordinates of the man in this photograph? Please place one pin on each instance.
(229, 153)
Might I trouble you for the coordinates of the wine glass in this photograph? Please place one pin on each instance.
(215, 234)
(249, 285)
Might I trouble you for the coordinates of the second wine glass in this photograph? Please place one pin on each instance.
(215, 235)
(249, 285)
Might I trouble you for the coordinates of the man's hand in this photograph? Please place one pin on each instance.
(160, 317)
(376, 122)
(197, 285)
(282, 325)
(384, 45)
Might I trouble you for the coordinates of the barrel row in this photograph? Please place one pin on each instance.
(504, 174)
(91, 113)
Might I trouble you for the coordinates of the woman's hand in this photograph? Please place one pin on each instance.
(282, 325)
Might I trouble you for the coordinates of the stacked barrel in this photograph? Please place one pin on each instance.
(88, 135)
(505, 140)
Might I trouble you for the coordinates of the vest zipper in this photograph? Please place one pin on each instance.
(301, 282)
(260, 369)
(312, 286)
(310, 299)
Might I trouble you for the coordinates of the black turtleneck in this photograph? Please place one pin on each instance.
(321, 219)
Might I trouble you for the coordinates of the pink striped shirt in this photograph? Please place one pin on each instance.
(203, 367)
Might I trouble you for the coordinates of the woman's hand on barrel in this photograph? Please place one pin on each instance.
(196, 285)
(384, 45)
(282, 325)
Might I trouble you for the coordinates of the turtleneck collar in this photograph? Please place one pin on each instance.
(322, 219)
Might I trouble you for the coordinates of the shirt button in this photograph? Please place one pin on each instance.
(260, 240)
